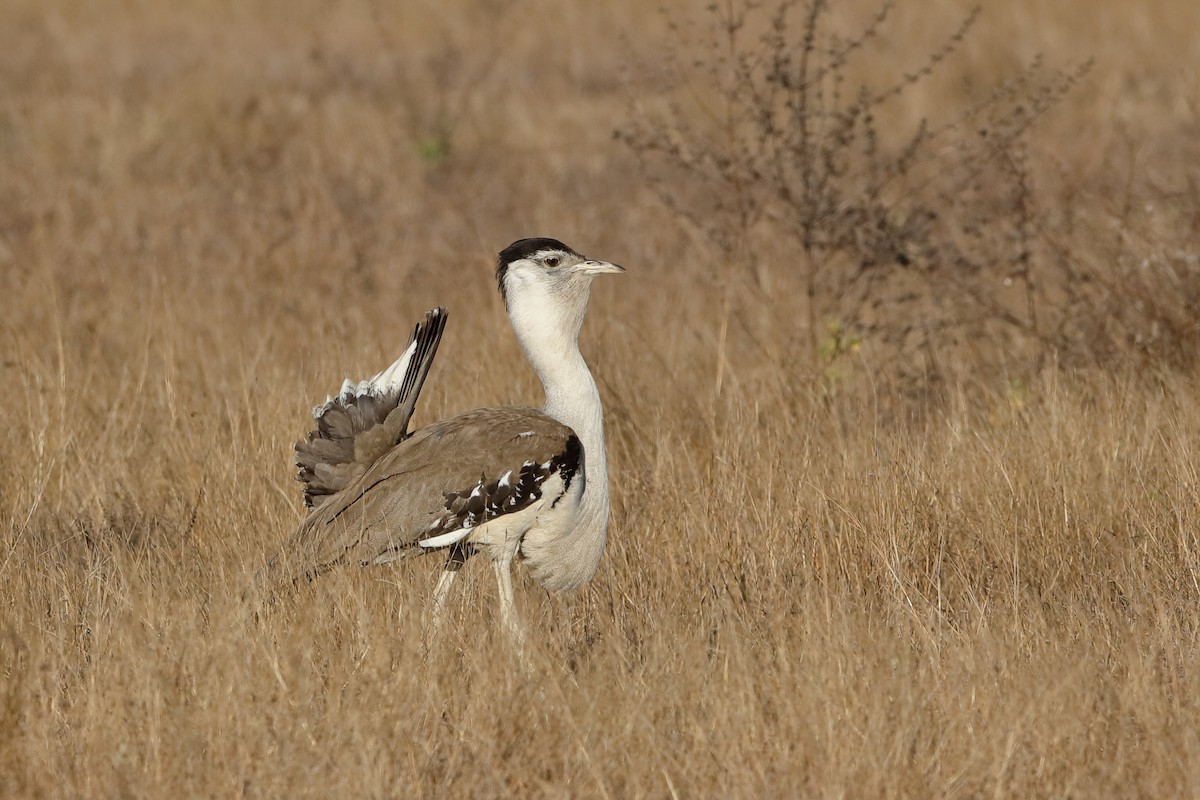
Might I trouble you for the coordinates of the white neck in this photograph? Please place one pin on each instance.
(548, 329)
(549, 334)
(573, 400)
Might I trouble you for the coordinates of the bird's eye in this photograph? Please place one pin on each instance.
(552, 261)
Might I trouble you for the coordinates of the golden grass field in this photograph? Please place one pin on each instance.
(821, 580)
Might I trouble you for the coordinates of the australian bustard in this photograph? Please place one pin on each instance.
(500, 481)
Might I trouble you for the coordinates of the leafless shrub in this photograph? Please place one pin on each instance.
(904, 239)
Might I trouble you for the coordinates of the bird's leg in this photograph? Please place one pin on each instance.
(440, 593)
(508, 606)
(458, 556)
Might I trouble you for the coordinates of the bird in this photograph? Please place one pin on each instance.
(510, 482)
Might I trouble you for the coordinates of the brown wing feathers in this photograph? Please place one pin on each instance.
(366, 420)
(460, 472)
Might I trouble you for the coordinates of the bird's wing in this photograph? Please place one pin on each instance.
(431, 489)
(366, 419)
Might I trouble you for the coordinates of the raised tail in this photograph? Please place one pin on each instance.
(368, 418)
(363, 422)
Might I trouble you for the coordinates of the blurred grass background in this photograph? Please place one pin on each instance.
(910, 544)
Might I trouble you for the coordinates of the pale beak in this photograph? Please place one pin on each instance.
(598, 268)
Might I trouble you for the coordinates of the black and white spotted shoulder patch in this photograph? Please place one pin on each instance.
(510, 492)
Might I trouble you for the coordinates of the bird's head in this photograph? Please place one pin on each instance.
(545, 278)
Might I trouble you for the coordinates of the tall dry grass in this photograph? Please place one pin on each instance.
(841, 580)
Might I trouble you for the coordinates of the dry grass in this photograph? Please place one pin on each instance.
(836, 584)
